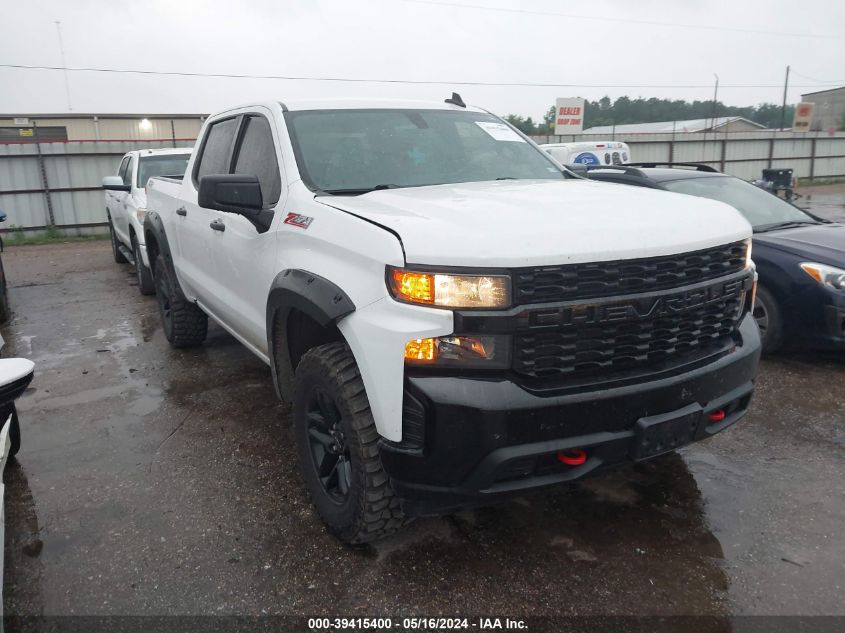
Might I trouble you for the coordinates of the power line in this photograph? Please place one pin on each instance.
(821, 81)
(129, 71)
(624, 20)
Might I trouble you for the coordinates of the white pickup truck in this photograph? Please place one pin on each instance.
(454, 316)
(126, 204)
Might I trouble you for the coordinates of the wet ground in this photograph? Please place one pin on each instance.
(155, 481)
(828, 201)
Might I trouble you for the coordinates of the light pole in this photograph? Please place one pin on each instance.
(64, 65)
(713, 112)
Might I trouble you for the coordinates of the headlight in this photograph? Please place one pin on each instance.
(449, 291)
(825, 275)
(748, 261)
(140, 213)
(483, 352)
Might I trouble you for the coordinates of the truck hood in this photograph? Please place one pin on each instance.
(543, 222)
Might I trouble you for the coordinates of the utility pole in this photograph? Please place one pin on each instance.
(783, 107)
(713, 112)
(64, 65)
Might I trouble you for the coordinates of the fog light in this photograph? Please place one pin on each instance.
(484, 352)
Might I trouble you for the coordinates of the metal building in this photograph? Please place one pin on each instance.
(99, 127)
(719, 123)
(830, 109)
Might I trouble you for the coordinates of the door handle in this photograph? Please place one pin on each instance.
(182, 211)
(217, 225)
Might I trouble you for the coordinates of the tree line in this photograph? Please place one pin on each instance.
(626, 110)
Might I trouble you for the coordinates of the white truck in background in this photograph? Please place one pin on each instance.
(454, 317)
(126, 204)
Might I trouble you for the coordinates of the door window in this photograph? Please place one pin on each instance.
(257, 157)
(122, 169)
(127, 173)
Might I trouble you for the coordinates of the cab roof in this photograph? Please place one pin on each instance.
(297, 105)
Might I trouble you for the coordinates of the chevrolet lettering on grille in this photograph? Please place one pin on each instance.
(636, 309)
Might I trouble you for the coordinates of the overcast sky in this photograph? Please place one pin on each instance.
(603, 43)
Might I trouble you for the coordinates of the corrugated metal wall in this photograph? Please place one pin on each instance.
(744, 155)
(74, 171)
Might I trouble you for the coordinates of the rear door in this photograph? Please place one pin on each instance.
(194, 263)
(244, 258)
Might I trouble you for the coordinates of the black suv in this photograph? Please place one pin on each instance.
(800, 257)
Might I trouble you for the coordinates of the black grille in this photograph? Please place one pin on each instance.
(578, 349)
(607, 279)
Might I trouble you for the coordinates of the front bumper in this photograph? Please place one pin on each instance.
(814, 317)
(486, 438)
(830, 331)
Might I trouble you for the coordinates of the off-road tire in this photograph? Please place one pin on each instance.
(115, 246)
(184, 323)
(767, 311)
(146, 283)
(370, 510)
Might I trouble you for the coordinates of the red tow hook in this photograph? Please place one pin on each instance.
(716, 416)
(572, 457)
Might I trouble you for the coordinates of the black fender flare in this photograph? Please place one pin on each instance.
(315, 296)
(154, 233)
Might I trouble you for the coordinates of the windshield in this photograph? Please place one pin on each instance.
(759, 207)
(164, 165)
(356, 151)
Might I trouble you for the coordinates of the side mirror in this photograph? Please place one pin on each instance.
(115, 183)
(235, 193)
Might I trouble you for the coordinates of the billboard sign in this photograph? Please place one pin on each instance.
(569, 115)
(803, 117)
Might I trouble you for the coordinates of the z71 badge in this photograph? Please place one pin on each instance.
(302, 221)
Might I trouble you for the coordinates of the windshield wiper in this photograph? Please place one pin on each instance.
(505, 178)
(358, 192)
(783, 225)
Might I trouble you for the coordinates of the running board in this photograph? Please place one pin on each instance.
(126, 253)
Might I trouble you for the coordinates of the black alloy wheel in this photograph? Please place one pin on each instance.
(330, 455)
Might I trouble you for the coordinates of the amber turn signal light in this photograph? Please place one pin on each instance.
(413, 286)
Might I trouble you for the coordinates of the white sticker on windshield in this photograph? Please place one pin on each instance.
(499, 131)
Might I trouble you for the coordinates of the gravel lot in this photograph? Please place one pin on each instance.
(154, 481)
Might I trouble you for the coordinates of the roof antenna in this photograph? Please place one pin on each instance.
(456, 100)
